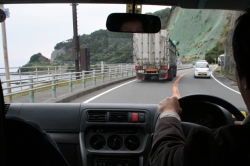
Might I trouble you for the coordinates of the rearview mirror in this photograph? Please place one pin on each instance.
(133, 23)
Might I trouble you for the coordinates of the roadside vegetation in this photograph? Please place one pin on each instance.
(212, 55)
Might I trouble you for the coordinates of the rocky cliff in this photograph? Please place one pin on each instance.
(56, 53)
(197, 31)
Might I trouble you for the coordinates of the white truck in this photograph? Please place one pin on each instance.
(221, 60)
(154, 55)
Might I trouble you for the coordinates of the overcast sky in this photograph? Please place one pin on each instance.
(37, 28)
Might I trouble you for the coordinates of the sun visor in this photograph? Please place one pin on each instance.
(215, 4)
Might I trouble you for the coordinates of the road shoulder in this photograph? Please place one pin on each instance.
(229, 82)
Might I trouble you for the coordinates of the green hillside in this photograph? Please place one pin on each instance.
(198, 31)
(106, 46)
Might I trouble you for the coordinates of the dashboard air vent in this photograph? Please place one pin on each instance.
(97, 116)
(118, 117)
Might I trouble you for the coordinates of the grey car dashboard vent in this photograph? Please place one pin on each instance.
(118, 116)
(97, 116)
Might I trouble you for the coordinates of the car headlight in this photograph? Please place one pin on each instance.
(196, 70)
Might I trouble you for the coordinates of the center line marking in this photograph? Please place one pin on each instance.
(176, 92)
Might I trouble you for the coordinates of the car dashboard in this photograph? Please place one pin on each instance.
(95, 134)
(100, 134)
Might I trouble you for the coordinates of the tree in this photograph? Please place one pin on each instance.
(35, 57)
(214, 52)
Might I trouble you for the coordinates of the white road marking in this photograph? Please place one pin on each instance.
(223, 84)
(93, 98)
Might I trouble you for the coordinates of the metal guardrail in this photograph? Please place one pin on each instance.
(36, 82)
(53, 80)
(59, 69)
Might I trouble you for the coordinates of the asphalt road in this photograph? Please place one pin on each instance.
(153, 91)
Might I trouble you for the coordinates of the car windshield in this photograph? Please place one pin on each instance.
(201, 65)
(54, 58)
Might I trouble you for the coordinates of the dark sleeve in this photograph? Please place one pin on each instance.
(168, 143)
(170, 147)
(227, 145)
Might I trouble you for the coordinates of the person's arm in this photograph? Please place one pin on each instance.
(222, 146)
(168, 140)
(168, 143)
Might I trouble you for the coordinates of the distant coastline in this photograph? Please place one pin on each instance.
(29, 73)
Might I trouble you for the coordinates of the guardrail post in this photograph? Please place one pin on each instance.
(83, 79)
(122, 70)
(20, 76)
(94, 77)
(132, 71)
(116, 73)
(60, 70)
(36, 74)
(102, 76)
(70, 82)
(127, 70)
(53, 86)
(110, 74)
(31, 92)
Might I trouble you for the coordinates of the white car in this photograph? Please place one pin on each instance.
(202, 69)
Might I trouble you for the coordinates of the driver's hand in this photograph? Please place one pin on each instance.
(170, 104)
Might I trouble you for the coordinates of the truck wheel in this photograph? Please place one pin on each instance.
(147, 77)
(175, 73)
(170, 75)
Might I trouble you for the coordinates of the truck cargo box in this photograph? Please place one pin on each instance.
(154, 55)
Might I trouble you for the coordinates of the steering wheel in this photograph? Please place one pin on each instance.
(212, 99)
(213, 102)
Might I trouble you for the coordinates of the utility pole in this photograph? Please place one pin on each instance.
(5, 52)
(75, 49)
